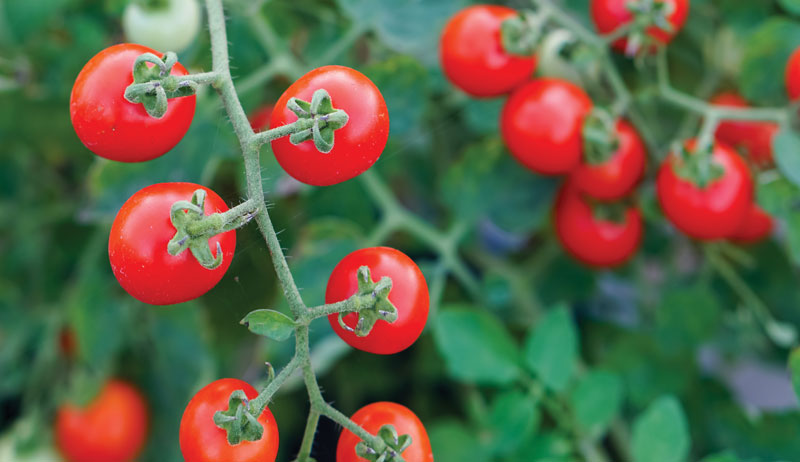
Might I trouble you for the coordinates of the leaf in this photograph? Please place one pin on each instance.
(780, 199)
(596, 401)
(687, 316)
(725, 456)
(794, 369)
(660, 433)
(792, 6)
(512, 417)
(269, 323)
(403, 83)
(766, 52)
(476, 347)
(786, 146)
(552, 348)
(453, 442)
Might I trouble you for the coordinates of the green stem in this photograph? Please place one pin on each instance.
(308, 436)
(261, 402)
(204, 78)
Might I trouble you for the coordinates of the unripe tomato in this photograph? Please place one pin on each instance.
(114, 128)
(202, 441)
(171, 28)
(715, 211)
(756, 226)
(112, 428)
(372, 417)
(137, 247)
(754, 137)
(608, 15)
(595, 241)
(357, 145)
(409, 295)
(472, 54)
(618, 175)
(542, 125)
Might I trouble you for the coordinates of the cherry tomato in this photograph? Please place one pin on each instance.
(357, 145)
(542, 125)
(793, 75)
(617, 176)
(172, 27)
(259, 120)
(756, 226)
(472, 53)
(202, 441)
(608, 15)
(714, 212)
(372, 417)
(137, 247)
(114, 128)
(112, 428)
(598, 242)
(754, 137)
(409, 295)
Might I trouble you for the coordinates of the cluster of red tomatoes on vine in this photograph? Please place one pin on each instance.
(552, 127)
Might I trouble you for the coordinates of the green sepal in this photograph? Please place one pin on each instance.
(183, 215)
(238, 422)
(647, 14)
(600, 139)
(153, 85)
(699, 167)
(323, 120)
(520, 35)
(372, 303)
(395, 445)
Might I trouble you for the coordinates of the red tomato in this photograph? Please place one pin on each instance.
(372, 417)
(112, 428)
(608, 15)
(202, 441)
(357, 145)
(409, 295)
(260, 119)
(754, 137)
(714, 212)
(114, 128)
(793, 75)
(472, 54)
(542, 125)
(597, 242)
(616, 177)
(757, 226)
(137, 247)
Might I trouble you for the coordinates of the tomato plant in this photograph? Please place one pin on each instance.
(171, 27)
(618, 175)
(357, 145)
(713, 211)
(372, 417)
(123, 131)
(111, 428)
(472, 53)
(542, 123)
(409, 295)
(202, 441)
(137, 247)
(755, 138)
(608, 15)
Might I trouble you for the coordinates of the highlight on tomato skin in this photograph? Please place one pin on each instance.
(472, 55)
(372, 417)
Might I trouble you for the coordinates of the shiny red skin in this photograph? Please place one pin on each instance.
(137, 247)
(793, 75)
(472, 54)
(542, 125)
(714, 212)
(114, 128)
(608, 15)
(618, 176)
(357, 145)
(754, 137)
(595, 242)
(409, 295)
(111, 428)
(372, 417)
(260, 119)
(757, 226)
(202, 441)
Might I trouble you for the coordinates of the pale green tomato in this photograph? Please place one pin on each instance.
(165, 29)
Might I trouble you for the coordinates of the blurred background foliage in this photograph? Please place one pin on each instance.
(657, 361)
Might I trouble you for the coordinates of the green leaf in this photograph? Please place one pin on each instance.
(687, 316)
(786, 146)
(792, 6)
(269, 323)
(552, 348)
(453, 442)
(766, 52)
(725, 456)
(660, 433)
(512, 417)
(403, 83)
(794, 369)
(596, 401)
(780, 199)
(476, 347)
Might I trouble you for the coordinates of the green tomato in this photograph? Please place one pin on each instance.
(172, 28)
